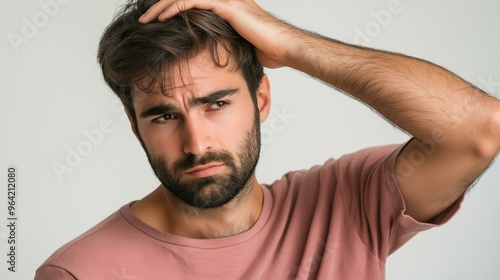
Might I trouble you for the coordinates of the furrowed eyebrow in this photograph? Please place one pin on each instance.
(158, 110)
(212, 97)
(169, 108)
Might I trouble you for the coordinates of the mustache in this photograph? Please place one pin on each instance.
(191, 160)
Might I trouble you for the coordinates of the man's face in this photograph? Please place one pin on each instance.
(202, 137)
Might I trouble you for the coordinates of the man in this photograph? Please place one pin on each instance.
(195, 93)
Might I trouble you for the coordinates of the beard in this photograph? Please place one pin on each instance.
(216, 190)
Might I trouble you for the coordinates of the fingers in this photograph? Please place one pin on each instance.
(153, 12)
(253, 23)
(165, 9)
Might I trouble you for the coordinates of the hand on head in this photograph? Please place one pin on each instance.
(273, 39)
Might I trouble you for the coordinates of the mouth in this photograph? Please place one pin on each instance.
(204, 170)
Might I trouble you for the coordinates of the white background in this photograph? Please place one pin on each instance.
(52, 91)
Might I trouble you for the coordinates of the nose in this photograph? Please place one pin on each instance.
(197, 139)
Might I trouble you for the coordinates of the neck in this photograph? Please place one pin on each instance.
(166, 213)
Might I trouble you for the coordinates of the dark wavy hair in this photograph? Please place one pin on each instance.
(138, 55)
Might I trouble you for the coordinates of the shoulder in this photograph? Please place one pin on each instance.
(322, 184)
(333, 170)
(97, 241)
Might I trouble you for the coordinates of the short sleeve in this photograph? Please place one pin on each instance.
(371, 195)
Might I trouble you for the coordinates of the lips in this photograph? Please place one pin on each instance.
(205, 170)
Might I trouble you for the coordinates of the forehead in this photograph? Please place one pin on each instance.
(195, 76)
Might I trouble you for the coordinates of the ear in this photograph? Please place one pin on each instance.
(264, 98)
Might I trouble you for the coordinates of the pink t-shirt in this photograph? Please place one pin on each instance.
(336, 221)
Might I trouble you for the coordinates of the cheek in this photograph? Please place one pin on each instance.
(162, 144)
(236, 132)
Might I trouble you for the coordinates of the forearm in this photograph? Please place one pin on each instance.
(417, 96)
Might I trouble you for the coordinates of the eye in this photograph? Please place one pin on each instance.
(164, 118)
(218, 105)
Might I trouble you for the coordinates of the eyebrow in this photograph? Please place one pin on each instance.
(212, 97)
(158, 110)
(163, 109)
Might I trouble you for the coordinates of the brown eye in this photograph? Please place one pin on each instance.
(163, 118)
(218, 105)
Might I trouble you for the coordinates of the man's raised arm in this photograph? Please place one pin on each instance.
(455, 126)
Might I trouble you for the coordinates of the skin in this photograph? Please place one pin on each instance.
(455, 126)
(193, 129)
